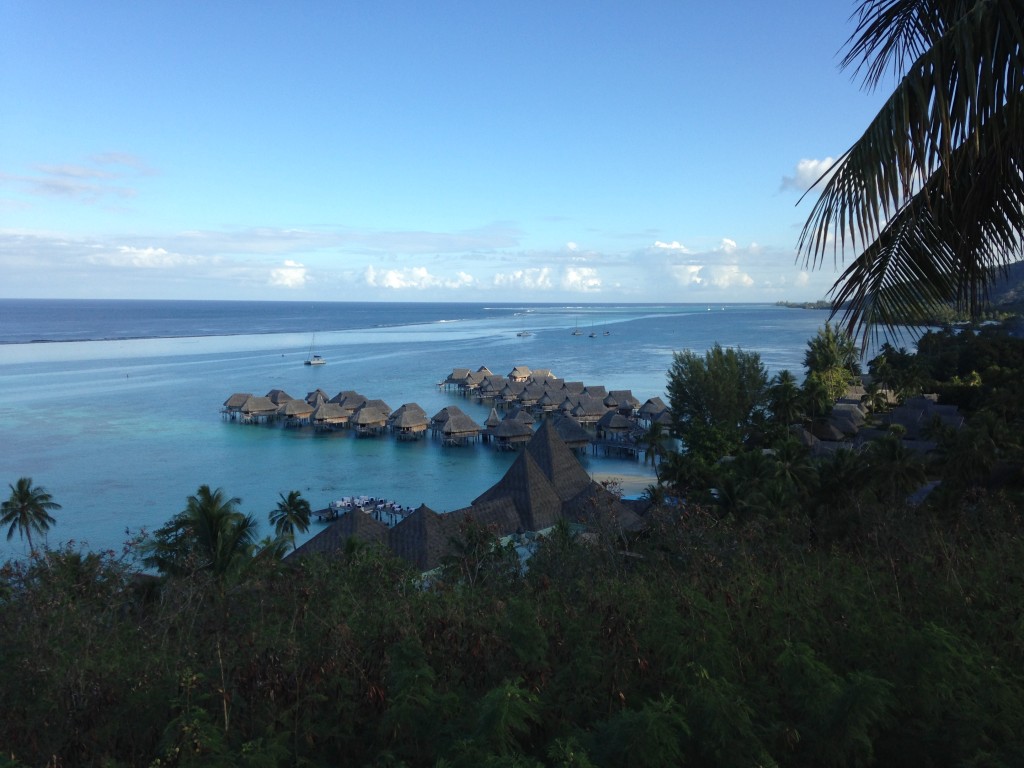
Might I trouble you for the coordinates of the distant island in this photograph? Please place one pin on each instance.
(819, 304)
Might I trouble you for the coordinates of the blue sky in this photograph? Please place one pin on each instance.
(414, 151)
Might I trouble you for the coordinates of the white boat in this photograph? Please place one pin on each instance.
(312, 359)
(524, 333)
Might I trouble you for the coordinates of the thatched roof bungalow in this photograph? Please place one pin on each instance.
(233, 405)
(296, 413)
(519, 373)
(409, 422)
(588, 410)
(352, 525)
(316, 397)
(459, 429)
(511, 433)
(623, 401)
(422, 538)
(257, 409)
(571, 432)
(329, 416)
(279, 397)
(369, 420)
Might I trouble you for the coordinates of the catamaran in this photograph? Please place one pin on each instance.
(312, 359)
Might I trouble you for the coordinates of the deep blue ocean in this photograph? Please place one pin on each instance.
(114, 406)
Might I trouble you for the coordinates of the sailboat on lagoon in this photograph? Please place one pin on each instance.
(312, 359)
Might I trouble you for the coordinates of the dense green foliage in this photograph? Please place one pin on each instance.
(718, 400)
(717, 641)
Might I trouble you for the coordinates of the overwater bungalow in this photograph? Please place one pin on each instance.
(369, 420)
(279, 397)
(348, 394)
(651, 410)
(571, 432)
(623, 401)
(614, 426)
(454, 426)
(409, 422)
(456, 379)
(233, 405)
(329, 416)
(511, 434)
(316, 397)
(257, 410)
(519, 374)
(296, 413)
(546, 403)
(491, 423)
(588, 410)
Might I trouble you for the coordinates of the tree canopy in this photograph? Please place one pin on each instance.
(27, 509)
(718, 400)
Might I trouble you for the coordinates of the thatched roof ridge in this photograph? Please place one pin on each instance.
(652, 407)
(258, 405)
(541, 375)
(573, 387)
(525, 484)
(295, 409)
(597, 391)
(598, 506)
(329, 412)
(498, 516)
(352, 525)
(519, 373)
(279, 396)
(422, 538)
(409, 416)
(623, 398)
(369, 416)
(570, 431)
(237, 400)
(460, 424)
(557, 461)
(315, 397)
(457, 376)
(440, 418)
(613, 421)
(493, 419)
(345, 394)
(512, 429)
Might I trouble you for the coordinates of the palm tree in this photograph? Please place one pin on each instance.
(291, 514)
(209, 534)
(27, 509)
(932, 194)
(785, 401)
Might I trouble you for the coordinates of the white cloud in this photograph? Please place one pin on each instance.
(729, 276)
(536, 278)
(727, 245)
(675, 245)
(291, 275)
(687, 274)
(142, 258)
(806, 173)
(572, 246)
(415, 278)
(583, 279)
